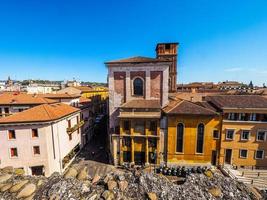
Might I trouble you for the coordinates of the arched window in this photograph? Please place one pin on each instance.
(200, 138)
(180, 138)
(138, 87)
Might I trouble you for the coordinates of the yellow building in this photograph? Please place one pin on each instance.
(86, 91)
(139, 132)
(193, 134)
(244, 130)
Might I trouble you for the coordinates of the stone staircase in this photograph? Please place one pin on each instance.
(255, 178)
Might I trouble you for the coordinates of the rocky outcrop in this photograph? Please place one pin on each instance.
(119, 184)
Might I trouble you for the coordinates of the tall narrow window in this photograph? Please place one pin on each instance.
(180, 138)
(200, 138)
(138, 87)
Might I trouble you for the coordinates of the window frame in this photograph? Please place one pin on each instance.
(226, 132)
(265, 133)
(203, 138)
(8, 134)
(176, 141)
(34, 137)
(10, 154)
(33, 150)
(134, 87)
(241, 135)
(256, 155)
(218, 137)
(126, 122)
(240, 154)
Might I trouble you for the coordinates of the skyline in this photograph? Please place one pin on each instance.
(59, 41)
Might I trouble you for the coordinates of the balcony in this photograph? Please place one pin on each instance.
(70, 130)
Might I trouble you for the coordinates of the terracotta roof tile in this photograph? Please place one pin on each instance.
(16, 98)
(238, 101)
(142, 103)
(137, 59)
(183, 107)
(41, 113)
(59, 96)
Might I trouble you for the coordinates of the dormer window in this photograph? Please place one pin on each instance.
(138, 87)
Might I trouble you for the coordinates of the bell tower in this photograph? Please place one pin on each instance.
(168, 51)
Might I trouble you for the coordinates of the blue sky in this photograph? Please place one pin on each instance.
(59, 40)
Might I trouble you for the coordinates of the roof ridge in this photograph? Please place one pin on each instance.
(204, 107)
(177, 104)
(44, 106)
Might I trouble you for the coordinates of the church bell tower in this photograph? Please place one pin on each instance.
(168, 51)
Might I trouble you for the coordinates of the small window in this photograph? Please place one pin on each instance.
(153, 126)
(180, 138)
(245, 135)
(138, 87)
(11, 135)
(167, 46)
(253, 117)
(243, 153)
(216, 134)
(69, 123)
(229, 134)
(35, 133)
(242, 116)
(126, 142)
(13, 152)
(70, 136)
(36, 150)
(126, 125)
(261, 135)
(200, 138)
(232, 116)
(259, 154)
(6, 110)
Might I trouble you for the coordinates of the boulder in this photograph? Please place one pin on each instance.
(5, 177)
(108, 195)
(6, 187)
(71, 173)
(18, 186)
(215, 191)
(123, 185)
(83, 174)
(40, 182)
(152, 196)
(112, 184)
(19, 171)
(27, 191)
(8, 169)
(208, 173)
(96, 179)
(30, 197)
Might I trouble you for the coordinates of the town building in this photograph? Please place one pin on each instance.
(138, 89)
(243, 131)
(38, 88)
(14, 102)
(192, 133)
(42, 139)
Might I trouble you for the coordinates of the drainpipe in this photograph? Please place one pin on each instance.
(60, 161)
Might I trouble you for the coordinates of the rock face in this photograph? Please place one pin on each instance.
(120, 184)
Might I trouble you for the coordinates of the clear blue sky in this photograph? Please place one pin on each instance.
(57, 40)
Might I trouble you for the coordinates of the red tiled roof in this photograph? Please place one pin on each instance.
(16, 98)
(238, 101)
(137, 59)
(59, 96)
(183, 107)
(41, 113)
(142, 103)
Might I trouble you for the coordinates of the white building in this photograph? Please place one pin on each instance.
(41, 140)
(42, 88)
